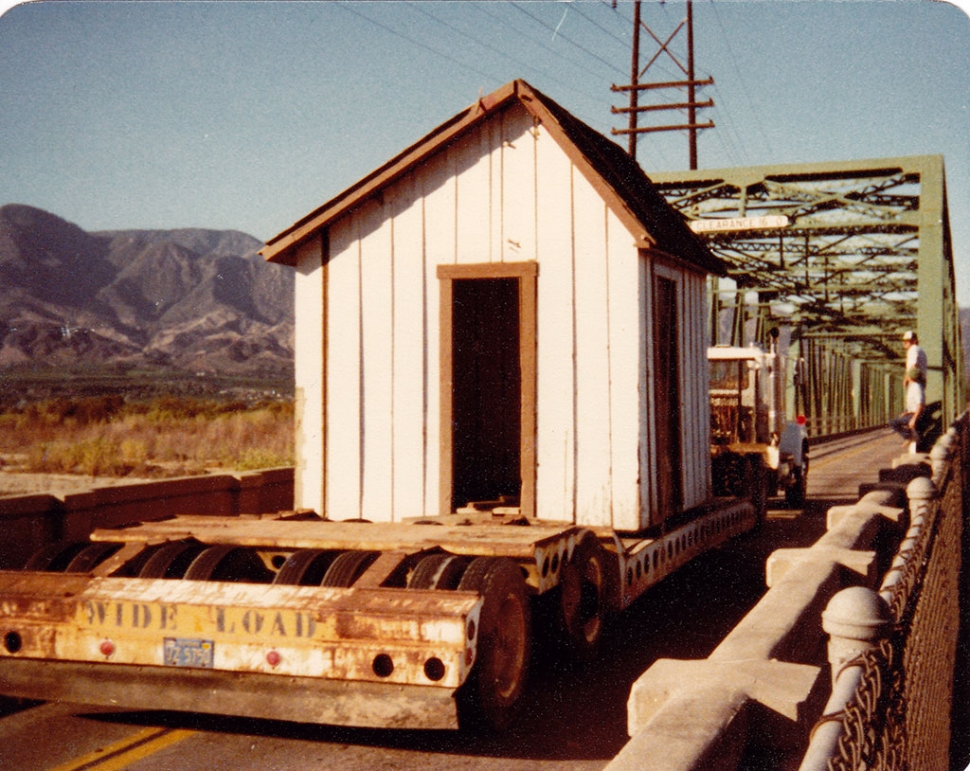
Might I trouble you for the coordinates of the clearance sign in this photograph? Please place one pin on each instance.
(767, 222)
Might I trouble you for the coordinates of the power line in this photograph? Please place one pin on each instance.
(567, 39)
(418, 7)
(453, 60)
(744, 85)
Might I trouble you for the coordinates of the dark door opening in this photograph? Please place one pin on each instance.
(486, 391)
(667, 398)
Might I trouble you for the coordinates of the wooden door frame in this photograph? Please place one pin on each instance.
(526, 273)
(662, 274)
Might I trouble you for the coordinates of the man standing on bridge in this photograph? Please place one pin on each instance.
(914, 379)
(915, 359)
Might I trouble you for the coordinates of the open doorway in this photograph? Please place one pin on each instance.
(666, 397)
(488, 385)
(486, 390)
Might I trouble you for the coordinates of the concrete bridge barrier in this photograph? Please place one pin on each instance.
(763, 687)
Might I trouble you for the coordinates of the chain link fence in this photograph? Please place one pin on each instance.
(901, 714)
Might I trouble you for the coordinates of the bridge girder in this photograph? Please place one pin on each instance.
(845, 254)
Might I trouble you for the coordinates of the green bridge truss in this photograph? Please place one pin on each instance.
(842, 258)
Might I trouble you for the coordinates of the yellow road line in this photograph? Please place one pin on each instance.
(123, 753)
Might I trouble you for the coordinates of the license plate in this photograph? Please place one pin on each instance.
(186, 652)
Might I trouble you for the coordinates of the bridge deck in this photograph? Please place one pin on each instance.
(839, 466)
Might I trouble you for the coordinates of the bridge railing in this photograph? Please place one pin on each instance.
(892, 704)
(832, 425)
(752, 703)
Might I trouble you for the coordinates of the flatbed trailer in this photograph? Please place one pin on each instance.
(216, 615)
(501, 363)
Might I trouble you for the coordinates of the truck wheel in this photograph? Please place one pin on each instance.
(438, 571)
(305, 567)
(756, 486)
(795, 492)
(584, 598)
(504, 643)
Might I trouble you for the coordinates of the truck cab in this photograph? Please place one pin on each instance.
(749, 416)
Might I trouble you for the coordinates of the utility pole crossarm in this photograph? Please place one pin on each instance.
(650, 129)
(635, 87)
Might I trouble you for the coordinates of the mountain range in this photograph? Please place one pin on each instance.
(193, 300)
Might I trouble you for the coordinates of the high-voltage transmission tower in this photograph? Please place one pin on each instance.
(636, 86)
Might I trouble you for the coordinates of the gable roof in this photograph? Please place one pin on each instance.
(614, 175)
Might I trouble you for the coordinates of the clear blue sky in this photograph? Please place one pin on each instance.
(248, 115)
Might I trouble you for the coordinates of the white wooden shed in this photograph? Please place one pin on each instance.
(505, 311)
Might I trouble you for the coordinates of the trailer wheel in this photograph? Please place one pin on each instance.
(306, 567)
(171, 560)
(228, 563)
(584, 599)
(55, 557)
(438, 571)
(504, 643)
(348, 567)
(91, 556)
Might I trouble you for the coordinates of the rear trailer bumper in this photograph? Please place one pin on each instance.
(360, 657)
(242, 694)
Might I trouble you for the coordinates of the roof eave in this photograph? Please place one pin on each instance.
(281, 248)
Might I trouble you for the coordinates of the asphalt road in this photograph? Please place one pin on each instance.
(573, 718)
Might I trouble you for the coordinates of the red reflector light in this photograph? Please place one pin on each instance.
(801, 420)
(273, 658)
(107, 648)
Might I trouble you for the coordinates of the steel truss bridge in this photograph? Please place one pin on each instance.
(841, 258)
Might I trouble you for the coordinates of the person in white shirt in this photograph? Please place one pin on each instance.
(914, 380)
(915, 359)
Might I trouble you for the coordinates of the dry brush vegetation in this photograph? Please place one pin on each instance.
(162, 437)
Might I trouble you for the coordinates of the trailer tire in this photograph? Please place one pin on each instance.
(501, 668)
(91, 556)
(235, 564)
(348, 567)
(305, 567)
(584, 598)
(438, 571)
(55, 557)
(171, 560)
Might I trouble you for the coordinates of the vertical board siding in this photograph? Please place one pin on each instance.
(697, 411)
(593, 456)
(644, 397)
(555, 387)
(377, 356)
(472, 164)
(308, 294)
(623, 319)
(505, 192)
(438, 187)
(343, 379)
(409, 409)
(518, 149)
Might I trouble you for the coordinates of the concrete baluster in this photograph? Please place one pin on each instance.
(856, 620)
